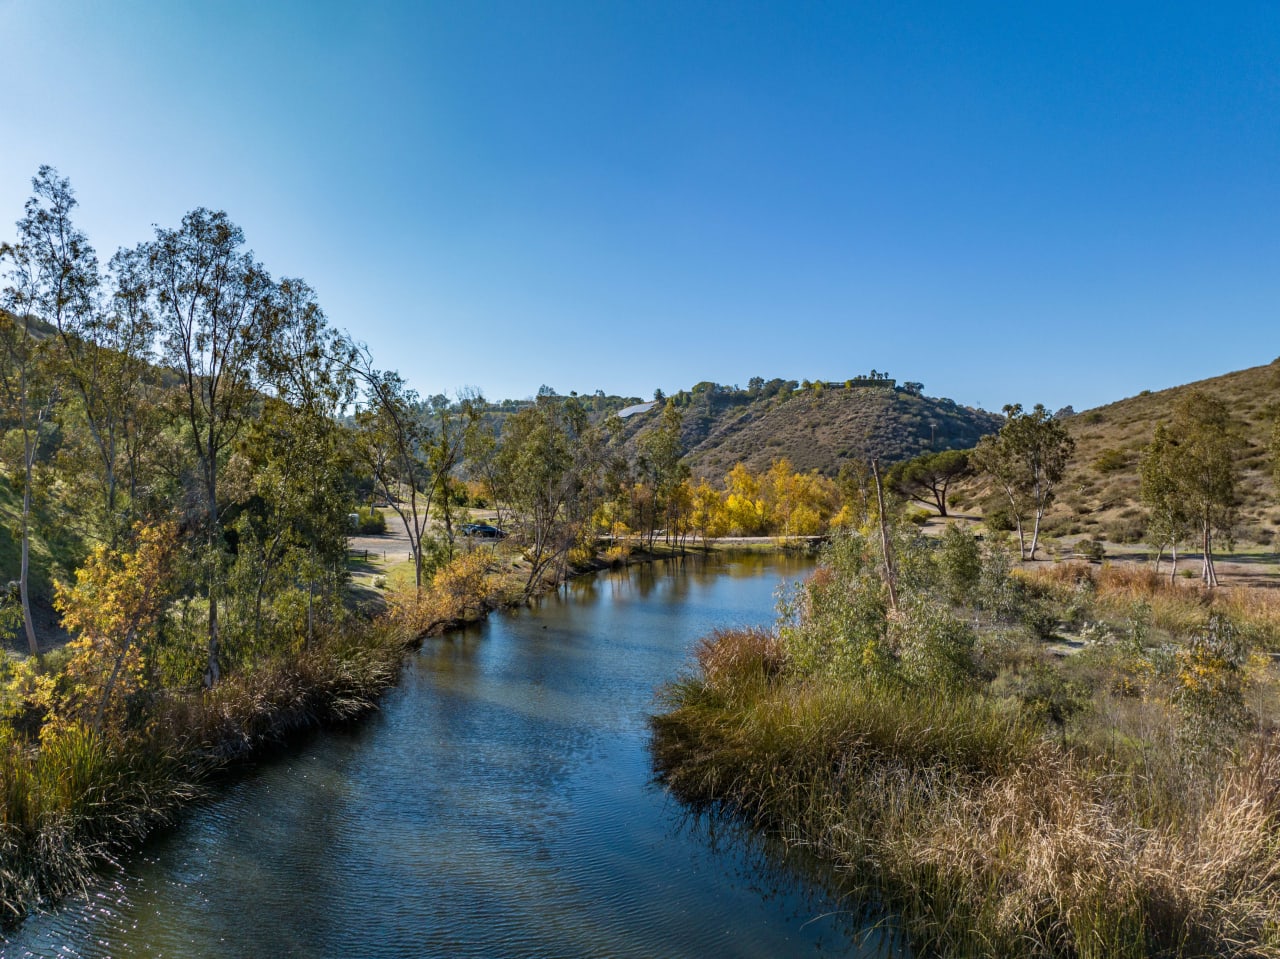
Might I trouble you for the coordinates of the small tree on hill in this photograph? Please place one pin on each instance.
(1027, 459)
(1205, 443)
(927, 477)
(1168, 518)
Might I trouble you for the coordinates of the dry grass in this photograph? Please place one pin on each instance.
(988, 833)
(1179, 608)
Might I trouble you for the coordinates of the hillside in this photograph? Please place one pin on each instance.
(1100, 494)
(816, 429)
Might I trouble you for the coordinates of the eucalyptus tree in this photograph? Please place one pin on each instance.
(291, 534)
(51, 285)
(1027, 460)
(411, 447)
(102, 343)
(214, 307)
(29, 395)
(551, 460)
(453, 423)
(660, 463)
(1205, 442)
(1168, 515)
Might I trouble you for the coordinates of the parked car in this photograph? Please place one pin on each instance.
(482, 531)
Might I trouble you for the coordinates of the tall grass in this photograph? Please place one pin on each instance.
(78, 799)
(1180, 608)
(989, 837)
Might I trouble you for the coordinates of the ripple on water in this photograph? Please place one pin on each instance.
(500, 804)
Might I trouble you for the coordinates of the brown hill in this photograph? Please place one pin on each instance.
(1100, 495)
(816, 429)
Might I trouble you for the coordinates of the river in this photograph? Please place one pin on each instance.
(500, 804)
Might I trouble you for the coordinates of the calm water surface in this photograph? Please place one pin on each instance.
(501, 804)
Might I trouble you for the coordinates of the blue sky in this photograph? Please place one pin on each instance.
(1031, 202)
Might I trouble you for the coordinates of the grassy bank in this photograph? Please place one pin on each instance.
(1004, 800)
(74, 800)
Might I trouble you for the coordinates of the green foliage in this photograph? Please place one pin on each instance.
(1208, 677)
(934, 647)
(370, 521)
(960, 564)
(1111, 460)
(1026, 460)
(1090, 549)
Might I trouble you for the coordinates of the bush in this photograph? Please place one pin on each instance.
(1090, 549)
(918, 516)
(999, 519)
(1111, 460)
(960, 564)
(370, 521)
(1131, 530)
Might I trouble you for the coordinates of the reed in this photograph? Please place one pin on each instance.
(76, 800)
(987, 836)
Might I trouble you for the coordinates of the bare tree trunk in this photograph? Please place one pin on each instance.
(115, 675)
(890, 575)
(33, 645)
(1035, 534)
(1208, 575)
(1173, 572)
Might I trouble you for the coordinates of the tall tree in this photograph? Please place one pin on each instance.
(1168, 517)
(1027, 459)
(51, 274)
(551, 460)
(394, 441)
(1207, 443)
(102, 341)
(661, 466)
(292, 534)
(214, 306)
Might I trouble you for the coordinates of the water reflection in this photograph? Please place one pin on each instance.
(501, 804)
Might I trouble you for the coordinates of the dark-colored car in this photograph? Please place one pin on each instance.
(482, 531)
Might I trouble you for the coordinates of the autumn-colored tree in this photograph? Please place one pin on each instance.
(113, 611)
(709, 517)
(744, 506)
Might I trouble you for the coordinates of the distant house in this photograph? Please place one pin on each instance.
(638, 408)
(880, 380)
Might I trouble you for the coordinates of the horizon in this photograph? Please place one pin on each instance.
(1010, 205)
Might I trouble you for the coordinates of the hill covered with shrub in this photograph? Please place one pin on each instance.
(815, 426)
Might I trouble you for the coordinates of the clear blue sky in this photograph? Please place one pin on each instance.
(1058, 203)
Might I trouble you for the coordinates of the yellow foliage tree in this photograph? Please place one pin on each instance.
(745, 509)
(710, 518)
(112, 610)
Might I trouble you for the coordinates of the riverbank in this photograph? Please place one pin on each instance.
(81, 800)
(477, 813)
(1004, 798)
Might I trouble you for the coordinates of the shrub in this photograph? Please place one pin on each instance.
(918, 516)
(1111, 460)
(999, 519)
(1090, 549)
(370, 521)
(959, 564)
(1131, 530)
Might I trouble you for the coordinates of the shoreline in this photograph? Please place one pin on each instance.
(143, 782)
